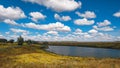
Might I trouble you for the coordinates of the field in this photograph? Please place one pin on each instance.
(13, 56)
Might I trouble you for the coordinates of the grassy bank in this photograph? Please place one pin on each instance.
(12, 56)
(112, 45)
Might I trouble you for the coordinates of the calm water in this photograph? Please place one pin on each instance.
(85, 51)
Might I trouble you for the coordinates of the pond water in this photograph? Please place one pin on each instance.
(84, 51)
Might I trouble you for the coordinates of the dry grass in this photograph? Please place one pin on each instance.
(34, 57)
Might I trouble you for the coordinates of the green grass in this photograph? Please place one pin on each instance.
(12, 56)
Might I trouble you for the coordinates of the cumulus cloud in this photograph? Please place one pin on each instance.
(36, 16)
(7, 33)
(84, 21)
(58, 5)
(11, 22)
(87, 36)
(19, 31)
(104, 23)
(1, 36)
(52, 32)
(63, 18)
(92, 31)
(78, 31)
(58, 26)
(11, 13)
(87, 14)
(117, 14)
(54, 36)
(118, 38)
(103, 26)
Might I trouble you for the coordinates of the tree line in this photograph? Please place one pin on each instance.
(20, 41)
(2, 40)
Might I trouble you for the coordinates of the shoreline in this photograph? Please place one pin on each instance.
(85, 46)
(106, 45)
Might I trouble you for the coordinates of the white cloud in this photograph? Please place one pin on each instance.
(83, 21)
(63, 18)
(117, 14)
(106, 28)
(1, 36)
(87, 14)
(54, 36)
(95, 27)
(106, 37)
(58, 26)
(19, 31)
(118, 38)
(78, 30)
(92, 31)
(7, 33)
(104, 23)
(37, 16)
(56, 16)
(87, 36)
(11, 13)
(80, 33)
(11, 22)
(72, 37)
(58, 5)
(52, 32)
(103, 26)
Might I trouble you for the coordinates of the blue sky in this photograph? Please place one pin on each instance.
(60, 20)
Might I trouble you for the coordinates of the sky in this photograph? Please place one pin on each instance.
(60, 20)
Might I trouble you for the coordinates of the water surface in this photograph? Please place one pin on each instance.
(85, 51)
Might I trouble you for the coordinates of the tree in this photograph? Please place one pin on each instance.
(2, 40)
(29, 42)
(45, 43)
(11, 41)
(20, 41)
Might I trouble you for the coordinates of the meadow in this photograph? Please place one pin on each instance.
(34, 56)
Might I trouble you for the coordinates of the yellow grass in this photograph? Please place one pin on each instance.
(34, 57)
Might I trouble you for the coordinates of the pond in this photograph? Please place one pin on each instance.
(84, 51)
